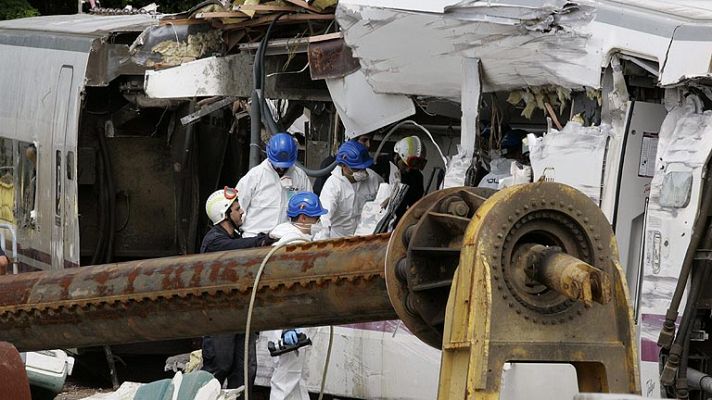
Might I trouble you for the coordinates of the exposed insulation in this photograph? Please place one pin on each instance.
(196, 46)
(538, 96)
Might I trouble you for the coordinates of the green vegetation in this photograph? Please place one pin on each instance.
(10, 9)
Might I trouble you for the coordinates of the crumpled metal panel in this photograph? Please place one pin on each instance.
(421, 53)
(330, 282)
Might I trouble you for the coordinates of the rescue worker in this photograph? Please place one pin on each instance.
(266, 188)
(304, 211)
(287, 383)
(364, 139)
(349, 187)
(500, 167)
(410, 158)
(223, 355)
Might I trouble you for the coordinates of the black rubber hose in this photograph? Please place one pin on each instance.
(111, 194)
(187, 144)
(699, 381)
(267, 117)
(315, 173)
(98, 249)
(255, 125)
(667, 333)
(671, 371)
(257, 106)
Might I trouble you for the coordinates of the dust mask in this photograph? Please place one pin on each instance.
(313, 228)
(360, 176)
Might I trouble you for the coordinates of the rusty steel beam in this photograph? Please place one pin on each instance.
(321, 283)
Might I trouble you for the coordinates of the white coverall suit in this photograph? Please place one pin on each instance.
(287, 381)
(345, 200)
(499, 169)
(264, 196)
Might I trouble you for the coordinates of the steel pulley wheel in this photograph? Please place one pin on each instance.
(422, 256)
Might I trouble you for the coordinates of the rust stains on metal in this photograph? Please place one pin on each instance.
(564, 274)
(331, 59)
(338, 281)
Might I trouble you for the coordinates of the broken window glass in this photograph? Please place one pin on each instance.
(7, 181)
(676, 189)
(18, 163)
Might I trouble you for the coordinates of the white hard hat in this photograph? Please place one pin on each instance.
(410, 149)
(218, 203)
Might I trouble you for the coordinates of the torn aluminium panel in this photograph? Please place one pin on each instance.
(406, 48)
(361, 109)
(212, 76)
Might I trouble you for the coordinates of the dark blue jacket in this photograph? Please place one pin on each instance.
(217, 239)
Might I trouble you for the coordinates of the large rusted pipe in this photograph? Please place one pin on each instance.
(320, 283)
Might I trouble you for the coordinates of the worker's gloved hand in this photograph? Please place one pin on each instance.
(264, 239)
(290, 337)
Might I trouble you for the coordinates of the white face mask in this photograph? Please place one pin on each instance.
(360, 176)
(313, 228)
(316, 228)
(286, 182)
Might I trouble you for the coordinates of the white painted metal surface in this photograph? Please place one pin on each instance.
(44, 62)
(33, 76)
(211, 76)
(470, 100)
(82, 23)
(520, 42)
(634, 185)
(380, 360)
(361, 109)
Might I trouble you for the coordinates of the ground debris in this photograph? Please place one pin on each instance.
(76, 391)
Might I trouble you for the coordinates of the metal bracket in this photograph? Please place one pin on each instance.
(191, 118)
(703, 254)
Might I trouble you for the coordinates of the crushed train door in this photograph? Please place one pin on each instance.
(635, 174)
(59, 131)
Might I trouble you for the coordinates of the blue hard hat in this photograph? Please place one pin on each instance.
(354, 155)
(282, 150)
(306, 203)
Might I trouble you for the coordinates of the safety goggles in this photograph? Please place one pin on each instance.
(229, 192)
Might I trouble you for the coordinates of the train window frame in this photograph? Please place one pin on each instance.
(69, 165)
(58, 187)
(27, 188)
(21, 188)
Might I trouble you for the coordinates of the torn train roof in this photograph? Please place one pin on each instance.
(406, 47)
(82, 24)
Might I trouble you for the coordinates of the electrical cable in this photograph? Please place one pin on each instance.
(326, 363)
(250, 308)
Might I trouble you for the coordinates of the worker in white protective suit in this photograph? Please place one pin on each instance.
(501, 167)
(287, 383)
(351, 184)
(265, 189)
